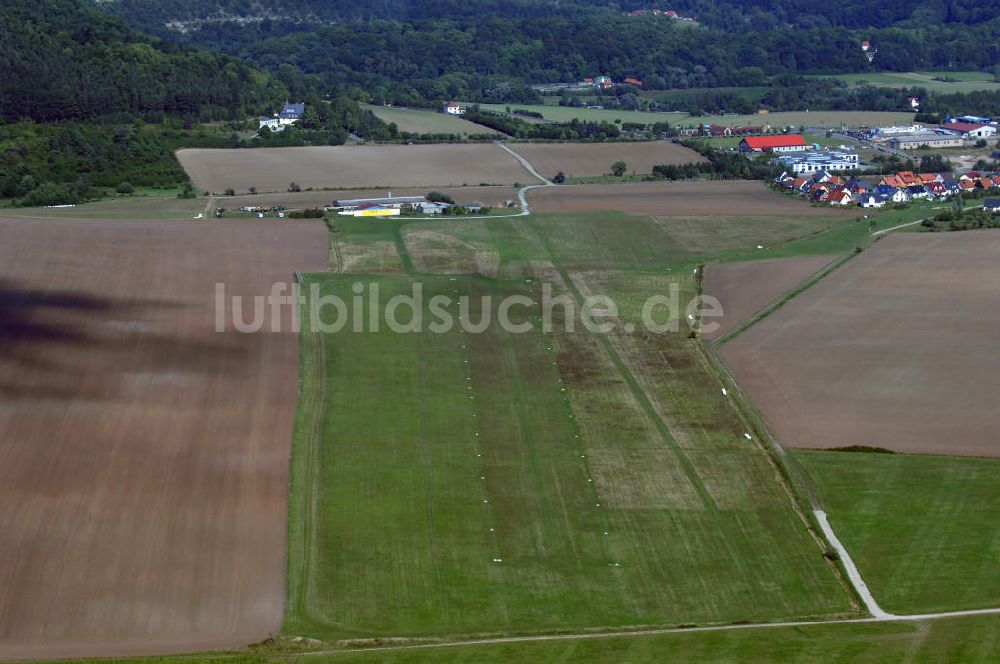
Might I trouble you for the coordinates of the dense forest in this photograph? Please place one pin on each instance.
(61, 60)
(89, 106)
(491, 50)
(164, 15)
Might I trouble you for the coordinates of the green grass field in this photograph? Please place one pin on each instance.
(399, 526)
(923, 530)
(966, 640)
(781, 119)
(966, 81)
(970, 640)
(422, 121)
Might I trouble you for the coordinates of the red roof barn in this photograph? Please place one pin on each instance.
(787, 143)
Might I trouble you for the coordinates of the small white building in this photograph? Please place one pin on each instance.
(271, 123)
(453, 108)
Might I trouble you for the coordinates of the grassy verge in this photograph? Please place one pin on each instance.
(922, 529)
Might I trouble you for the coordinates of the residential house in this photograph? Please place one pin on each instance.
(938, 190)
(892, 194)
(917, 192)
(453, 108)
(840, 197)
(858, 186)
(632, 81)
(992, 205)
(872, 200)
(291, 113)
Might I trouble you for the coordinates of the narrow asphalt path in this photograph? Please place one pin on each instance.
(523, 191)
(852, 571)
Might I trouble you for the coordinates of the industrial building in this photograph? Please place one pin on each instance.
(932, 139)
(815, 162)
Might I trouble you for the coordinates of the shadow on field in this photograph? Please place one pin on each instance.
(65, 345)
(22, 315)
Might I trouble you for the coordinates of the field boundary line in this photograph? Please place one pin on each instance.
(787, 297)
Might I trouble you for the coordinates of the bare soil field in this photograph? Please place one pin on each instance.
(745, 288)
(306, 199)
(680, 199)
(144, 472)
(896, 349)
(590, 159)
(352, 166)
(423, 121)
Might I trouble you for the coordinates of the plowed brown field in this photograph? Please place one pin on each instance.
(591, 159)
(681, 199)
(745, 288)
(352, 166)
(143, 456)
(485, 195)
(896, 349)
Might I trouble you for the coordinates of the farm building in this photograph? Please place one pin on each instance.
(970, 131)
(975, 119)
(388, 201)
(932, 139)
(775, 144)
(371, 211)
(453, 108)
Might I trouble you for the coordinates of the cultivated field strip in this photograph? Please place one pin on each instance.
(676, 199)
(591, 159)
(744, 288)
(352, 167)
(870, 340)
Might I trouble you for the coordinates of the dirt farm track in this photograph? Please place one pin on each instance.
(143, 456)
(895, 349)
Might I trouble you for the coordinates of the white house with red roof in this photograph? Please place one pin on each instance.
(781, 144)
(971, 131)
(453, 108)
